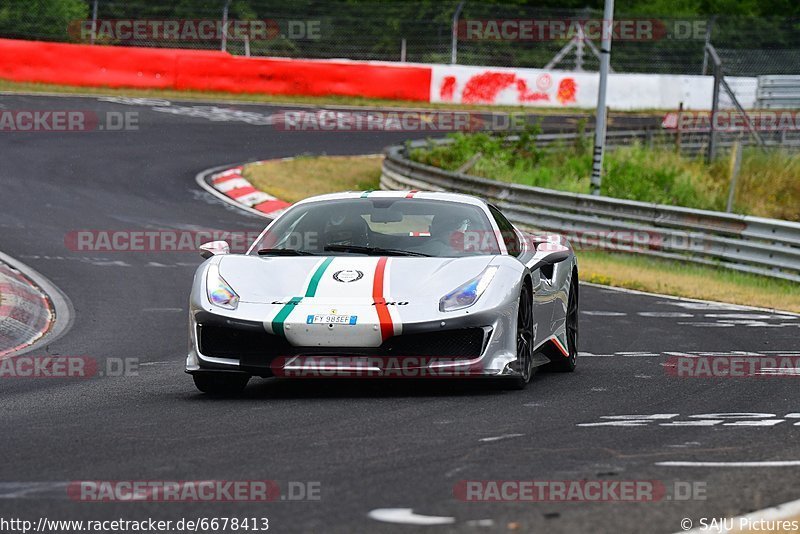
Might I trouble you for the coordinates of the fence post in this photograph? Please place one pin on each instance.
(454, 44)
(736, 164)
(94, 21)
(224, 44)
(600, 125)
(708, 42)
(403, 50)
(712, 134)
(678, 137)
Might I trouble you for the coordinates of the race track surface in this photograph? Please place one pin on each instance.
(370, 445)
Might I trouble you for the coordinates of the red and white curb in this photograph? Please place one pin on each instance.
(237, 188)
(26, 313)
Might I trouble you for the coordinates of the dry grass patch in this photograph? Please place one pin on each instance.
(688, 280)
(302, 177)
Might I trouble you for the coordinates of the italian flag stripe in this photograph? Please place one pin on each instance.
(385, 318)
(277, 322)
(314, 283)
(311, 290)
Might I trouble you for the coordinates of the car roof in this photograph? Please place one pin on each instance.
(411, 194)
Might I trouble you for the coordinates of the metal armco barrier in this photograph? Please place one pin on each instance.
(756, 245)
(778, 92)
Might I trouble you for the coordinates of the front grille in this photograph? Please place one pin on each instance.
(466, 343)
(225, 342)
(259, 348)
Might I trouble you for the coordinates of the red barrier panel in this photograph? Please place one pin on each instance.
(162, 68)
(303, 77)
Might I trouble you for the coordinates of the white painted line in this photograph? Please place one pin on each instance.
(775, 463)
(23, 490)
(776, 513)
(498, 438)
(480, 523)
(604, 313)
(759, 316)
(778, 371)
(666, 315)
(706, 325)
(406, 516)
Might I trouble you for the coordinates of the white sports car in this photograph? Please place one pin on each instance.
(384, 284)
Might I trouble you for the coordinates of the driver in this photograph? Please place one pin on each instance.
(346, 229)
(447, 234)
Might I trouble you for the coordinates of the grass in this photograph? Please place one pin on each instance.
(295, 179)
(684, 279)
(768, 184)
(298, 178)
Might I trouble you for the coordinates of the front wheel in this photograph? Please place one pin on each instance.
(568, 364)
(222, 384)
(524, 363)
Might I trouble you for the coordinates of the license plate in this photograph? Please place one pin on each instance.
(331, 319)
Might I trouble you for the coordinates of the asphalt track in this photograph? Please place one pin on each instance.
(371, 445)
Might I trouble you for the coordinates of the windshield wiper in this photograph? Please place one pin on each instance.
(283, 252)
(374, 250)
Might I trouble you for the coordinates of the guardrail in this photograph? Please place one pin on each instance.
(778, 92)
(756, 245)
(688, 142)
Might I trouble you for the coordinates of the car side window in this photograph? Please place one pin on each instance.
(507, 232)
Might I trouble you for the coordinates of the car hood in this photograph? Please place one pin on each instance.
(265, 279)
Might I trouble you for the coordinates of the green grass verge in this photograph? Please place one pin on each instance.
(299, 178)
(768, 184)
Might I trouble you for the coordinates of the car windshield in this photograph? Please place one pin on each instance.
(380, 227)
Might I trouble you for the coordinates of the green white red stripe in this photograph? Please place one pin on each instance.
(379, 299)
(280, 319)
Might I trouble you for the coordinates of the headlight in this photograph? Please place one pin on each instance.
(220, 293)
(469, 293)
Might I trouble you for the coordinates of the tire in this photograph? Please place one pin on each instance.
(221, 384)
(524, 342)
(567, 365)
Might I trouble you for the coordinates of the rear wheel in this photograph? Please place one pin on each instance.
(223, 384)
(568, 364)
(524, 362)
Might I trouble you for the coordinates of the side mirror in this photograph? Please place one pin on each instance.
(549, 253)
(214, 248)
